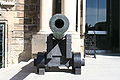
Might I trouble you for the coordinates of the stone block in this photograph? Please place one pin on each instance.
(75, 43)
(21, 1)
(27, 34)
(17, 47)
(30, 14)
(20, 14)
(32, 7)
(19, 7)
(17, 41)
(28, 21)
(21, 21)
(39, 43)
(30, 1)
(18, 27)
(18, 34)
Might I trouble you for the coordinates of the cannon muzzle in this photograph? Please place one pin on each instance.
(59, 24)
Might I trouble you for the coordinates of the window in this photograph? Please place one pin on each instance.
(96, 11)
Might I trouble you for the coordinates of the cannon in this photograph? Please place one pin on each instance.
(59, 50)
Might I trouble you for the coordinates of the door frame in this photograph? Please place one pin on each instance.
(3, 21)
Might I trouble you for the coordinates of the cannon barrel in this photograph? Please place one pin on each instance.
(59, 24)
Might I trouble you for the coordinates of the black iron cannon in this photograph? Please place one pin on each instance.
(59, 48)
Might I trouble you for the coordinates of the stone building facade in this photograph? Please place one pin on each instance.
(25, 19)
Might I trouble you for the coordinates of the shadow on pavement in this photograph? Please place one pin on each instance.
(26, 70)
(30, 68)
(56, 69)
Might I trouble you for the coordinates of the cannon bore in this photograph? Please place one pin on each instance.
(59, 24)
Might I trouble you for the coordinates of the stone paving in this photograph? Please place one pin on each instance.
(101, 68)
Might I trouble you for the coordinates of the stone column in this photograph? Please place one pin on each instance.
(84, 15)
(79, 14)
(83, 2)
(70, 11)
(45, 15)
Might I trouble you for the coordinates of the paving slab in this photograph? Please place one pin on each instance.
(101, 68)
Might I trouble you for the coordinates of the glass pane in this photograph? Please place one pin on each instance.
(91, 12)
(101, 11)
(96, 11)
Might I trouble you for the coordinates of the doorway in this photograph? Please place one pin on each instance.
(98, 25)
(103, 19)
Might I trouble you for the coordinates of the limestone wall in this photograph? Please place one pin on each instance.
(21, 22)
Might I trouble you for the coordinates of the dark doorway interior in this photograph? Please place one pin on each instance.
(102, 21)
